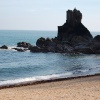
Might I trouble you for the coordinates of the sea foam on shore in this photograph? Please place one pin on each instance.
(40, 79)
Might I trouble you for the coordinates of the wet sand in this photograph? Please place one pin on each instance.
(81, 88)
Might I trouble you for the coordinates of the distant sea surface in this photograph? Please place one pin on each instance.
(17, 67)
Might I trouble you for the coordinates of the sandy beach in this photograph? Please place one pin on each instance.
(86, 88)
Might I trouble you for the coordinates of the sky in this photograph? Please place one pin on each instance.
(46, 14)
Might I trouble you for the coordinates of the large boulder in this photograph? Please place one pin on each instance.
(23, 44)
(40, 42)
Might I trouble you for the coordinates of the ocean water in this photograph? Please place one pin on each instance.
(17, 67)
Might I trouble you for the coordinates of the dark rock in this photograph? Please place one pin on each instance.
(23, 44)
(95, 46)
(40, 42)
(73, 27)
(84, 50)
(4, 47)
(48, 42)
(37, 49)
(34, 49)
(96, 38)
(59, 48)
(76, 40)
(73, 37)
(97, 51)
(46, 45)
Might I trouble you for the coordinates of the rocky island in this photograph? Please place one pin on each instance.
(72, 37)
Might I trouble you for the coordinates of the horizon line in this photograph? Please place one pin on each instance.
(31, 30)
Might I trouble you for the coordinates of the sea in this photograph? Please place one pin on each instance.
(17, 67)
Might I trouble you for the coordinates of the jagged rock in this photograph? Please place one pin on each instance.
(40, 42)
(74, 17)
(23, 44)
(4, 47)
(95, 44)
(96, 38)
(73, 37)
(73, 27)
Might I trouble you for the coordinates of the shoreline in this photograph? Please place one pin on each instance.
(81, 88)
(21, 84)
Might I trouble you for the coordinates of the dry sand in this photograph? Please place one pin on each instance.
(87, 88)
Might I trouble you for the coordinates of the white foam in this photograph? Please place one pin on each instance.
(10, 47)
(34, 79)
(85, 70)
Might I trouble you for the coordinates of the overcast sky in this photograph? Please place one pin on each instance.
(46, 14)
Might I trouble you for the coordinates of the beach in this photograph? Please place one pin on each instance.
(81, 88)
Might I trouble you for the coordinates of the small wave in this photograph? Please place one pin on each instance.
(11, 47)
(34, 79)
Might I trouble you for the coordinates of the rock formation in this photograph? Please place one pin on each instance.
(4, 47)
(73, 37)
(73, 28)
(23, 44)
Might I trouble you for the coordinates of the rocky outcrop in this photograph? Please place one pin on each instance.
(23, 44)
(73, 28)
(96, 38)
(53, 45)
(95, 44)
(4, 47)
(73, 36)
